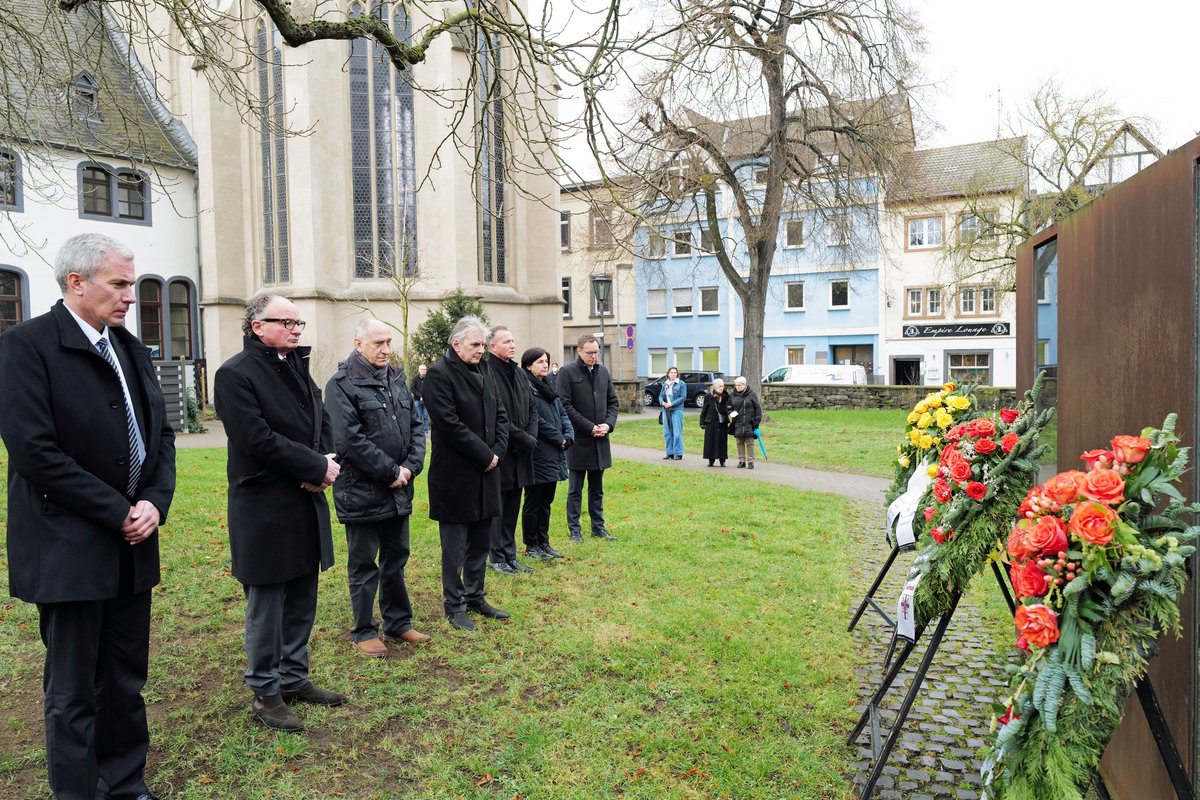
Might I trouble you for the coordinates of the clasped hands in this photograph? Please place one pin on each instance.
(332, 469)
(141, 522)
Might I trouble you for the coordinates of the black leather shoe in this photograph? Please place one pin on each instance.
(461, 621)
(667, 458)
(749, 465)
(576, 537)
(550, 551)
(503, 567)
(605, 535)
(538, 553)
(517, 566)
(313, 694)
(485, 609)
(271, 711)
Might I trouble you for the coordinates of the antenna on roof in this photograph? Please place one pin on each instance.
(999, 110)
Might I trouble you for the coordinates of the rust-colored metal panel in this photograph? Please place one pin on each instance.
(1127, 355)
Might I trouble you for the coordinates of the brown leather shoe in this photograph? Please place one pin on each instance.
(373, 648)
(413, 636)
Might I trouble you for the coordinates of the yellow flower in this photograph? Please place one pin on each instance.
(914, 436)
(934, 401)
(925, 442)
(948, 387)
(924, 421)
(913, 416)
(932, 470)
(904, 462)
(921, 407)
(943, 419)
(958, 402)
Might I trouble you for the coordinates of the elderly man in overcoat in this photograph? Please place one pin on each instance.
(587, 393)
(380, 444)
(91, 475)
(516, 467)
(280, 462)
(468, 430)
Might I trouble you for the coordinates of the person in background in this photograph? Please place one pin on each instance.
(380, 443)
(418, 393)
(91, 476)
(590, 399)
(745, 414)
(714, 419)
(555, 435)
(672, 396)
(552, 376)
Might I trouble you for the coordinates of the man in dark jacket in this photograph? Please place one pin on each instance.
(468, 431)
(91, 475)
(380, 445)
(280, 463)
(588, 395)
(516, 467)
(418, 394)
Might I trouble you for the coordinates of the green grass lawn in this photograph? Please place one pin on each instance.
(862, 441)
(703, 655)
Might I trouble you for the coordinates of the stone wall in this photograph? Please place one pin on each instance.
(629, 396)
(775, 396)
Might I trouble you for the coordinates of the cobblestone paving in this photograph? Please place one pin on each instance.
(936, 755)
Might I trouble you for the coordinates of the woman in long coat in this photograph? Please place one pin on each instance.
(746, 413)
(555, 435)
(714, 419)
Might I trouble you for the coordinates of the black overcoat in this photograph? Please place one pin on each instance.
(516, 467)
(467, 427)
(278, 435)
(589, 399)
(549, 459)
(62, 417)
(749, 413)
(714, 418)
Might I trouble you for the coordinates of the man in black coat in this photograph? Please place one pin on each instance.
(516, 467)
(380, 445)
(418, 392)
(587, 392)
(91, 476)
(468, 431)
(280, 463)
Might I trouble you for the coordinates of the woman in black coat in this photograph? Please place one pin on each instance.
(555, 435)
(746, 414)
(714, 419)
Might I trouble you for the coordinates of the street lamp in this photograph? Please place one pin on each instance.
(602, 288)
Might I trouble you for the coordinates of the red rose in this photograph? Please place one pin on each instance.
(976, 490)
(960, 471)
(1047, 536)
(951, 453)
(1037, 624)
(1063, 488)
(1008, 441)
(941, 490)
(956, 433)
(1093, 523)
(938, 535)
(929, 512)
(1028, 580)
(1009, 415)
(1097, 459)
(1104, 486)
(1009, 716)
(984, 426)
(1130, 449)
(985, 446)
(1018, 543)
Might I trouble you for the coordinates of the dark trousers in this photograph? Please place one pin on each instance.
(595, 482)
(504, 526)
(279, 620)
(465, 547)
(97, 654)
(535, 514)
(389, 541)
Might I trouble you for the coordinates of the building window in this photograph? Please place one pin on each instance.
(706, 240)
(658, 361)
(860, 354)
(977, 301)
(683, 358)
(10, 181)
(795, 297)
(121, 195)
(276, 266)
(179, 297)
(924, 232)
(602, 235)
(564, 230)
(967, 368)
(839, 294)
(794, 233)
(84, 97)
(150, 315)
(655, 247)
(976, 227)
(795, 355)
(922, 302)
(710, 359)
(656, 302)
(10, 299)
(933, 302)
(839, 230)
(491, 157)
(759, 176)
(987, 300)
(1042, 352)
(382, 155)
(607, 306)
(683, 243)
(681, 300)
(566, 296)
(966, 301)
(709, 300)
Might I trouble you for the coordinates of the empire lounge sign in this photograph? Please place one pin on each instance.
(948, 331)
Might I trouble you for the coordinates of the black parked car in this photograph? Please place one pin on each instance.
(697, 385)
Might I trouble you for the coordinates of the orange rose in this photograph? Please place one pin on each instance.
(1037, 624)
(956, 433)
(1047, 536)
(1008, 441)
(960, 471)
(1093, 523)
(1097, 459)
(1063, 488)
(984, 426)
(1104, 486)
(1018, 543)
(951, 453)
(1129, 449)
(985, 446)
(941, 490)
(1028, 580)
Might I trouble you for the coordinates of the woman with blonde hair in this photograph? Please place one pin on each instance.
(745, 414)
(714, 419)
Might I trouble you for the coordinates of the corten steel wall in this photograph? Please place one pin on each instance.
(1127, 356)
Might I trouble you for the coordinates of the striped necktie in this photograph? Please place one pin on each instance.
(136, 452)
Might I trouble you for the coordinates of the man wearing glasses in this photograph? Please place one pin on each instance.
(280, 463)
(587, 392)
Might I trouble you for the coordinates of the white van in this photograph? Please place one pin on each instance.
(818, 375)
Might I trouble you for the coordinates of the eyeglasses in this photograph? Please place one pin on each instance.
(290, 324)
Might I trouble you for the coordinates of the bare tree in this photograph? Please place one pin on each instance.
(746, 110)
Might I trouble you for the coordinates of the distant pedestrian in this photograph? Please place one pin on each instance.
(552, 376)
(418, 393)
(672, 396)
(587, 393)
(745, 414)
(714, 419)
(555, 435)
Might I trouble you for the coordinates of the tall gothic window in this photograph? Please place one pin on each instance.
(383, 162)
(492, 194)
(276, 257)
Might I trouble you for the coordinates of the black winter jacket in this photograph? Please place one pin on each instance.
(749, 413)
(550, 458)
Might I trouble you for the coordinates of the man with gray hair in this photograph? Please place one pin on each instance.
(91, 476)
(468, 430)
